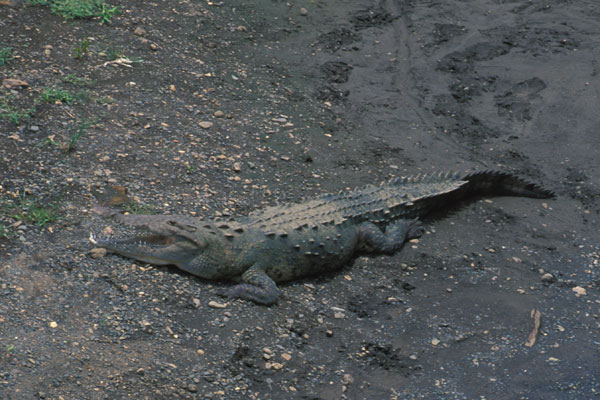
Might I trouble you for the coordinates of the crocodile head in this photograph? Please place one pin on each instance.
(189, 244)
(155, 249)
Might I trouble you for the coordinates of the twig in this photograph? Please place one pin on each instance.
(537, 320)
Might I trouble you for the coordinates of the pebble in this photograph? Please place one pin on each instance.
(192, 388)
(579, 291)
(214, 304)
(196, 302)
(219, 114)
(548, 277)
(435, 342)
(205, 124)
(276, 366)
(303, 12)
(53, 324)
(237, 166)
(97, 252)
(139, 31)
(10, 83)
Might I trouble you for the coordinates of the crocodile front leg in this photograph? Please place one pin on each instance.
(373, 240)
(257, 286)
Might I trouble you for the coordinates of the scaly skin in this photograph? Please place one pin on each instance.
(282, 243)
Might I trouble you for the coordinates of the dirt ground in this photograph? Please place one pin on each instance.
(207, 108)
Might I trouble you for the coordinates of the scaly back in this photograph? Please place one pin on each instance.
(406, 197)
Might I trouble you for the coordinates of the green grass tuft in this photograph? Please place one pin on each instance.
(76, 81)
(74, 138)
(73, 9)
(82, 49)
(5, 54)
(133, 207)
(8, 111)
(52, 95)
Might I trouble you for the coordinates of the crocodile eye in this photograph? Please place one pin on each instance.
(183, 227)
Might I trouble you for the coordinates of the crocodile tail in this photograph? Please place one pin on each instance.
(503, 184)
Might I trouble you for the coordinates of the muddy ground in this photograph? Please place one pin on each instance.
(229, 106)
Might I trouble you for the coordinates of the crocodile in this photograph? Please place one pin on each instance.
(285, 242)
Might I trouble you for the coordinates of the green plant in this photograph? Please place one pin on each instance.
(5, 54)
(4, 233)
(76, 81)
(107, 13)
(37, 211)
(82, 49)
(74, 138)
(13, 114)
(16, 116)
(72, 9)
(113, 54)
(133, 207)
(105, 100)
(52, 95)
(49, 141)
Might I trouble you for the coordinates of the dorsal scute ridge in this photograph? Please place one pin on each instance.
(399, 197)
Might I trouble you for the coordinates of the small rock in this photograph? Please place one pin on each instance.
(53, 324)
(153, 46)
(237, 166)
(200, 352)
(196, 302)
(97, 252)
(205, 124)
(548, 277)
(276, 366)
(286, 356)
(10, 83)
(435, 342)
(219, 114)
(241, 28)
(579, 291)
(347, 379)
(192, 388)
(338, 315)
(329, 333)
(303, 12)
(214, 304)
(139, 31)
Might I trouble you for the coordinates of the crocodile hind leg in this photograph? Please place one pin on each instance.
(257, 286)
(373, 240)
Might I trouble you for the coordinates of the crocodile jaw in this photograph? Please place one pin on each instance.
(152, 249)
